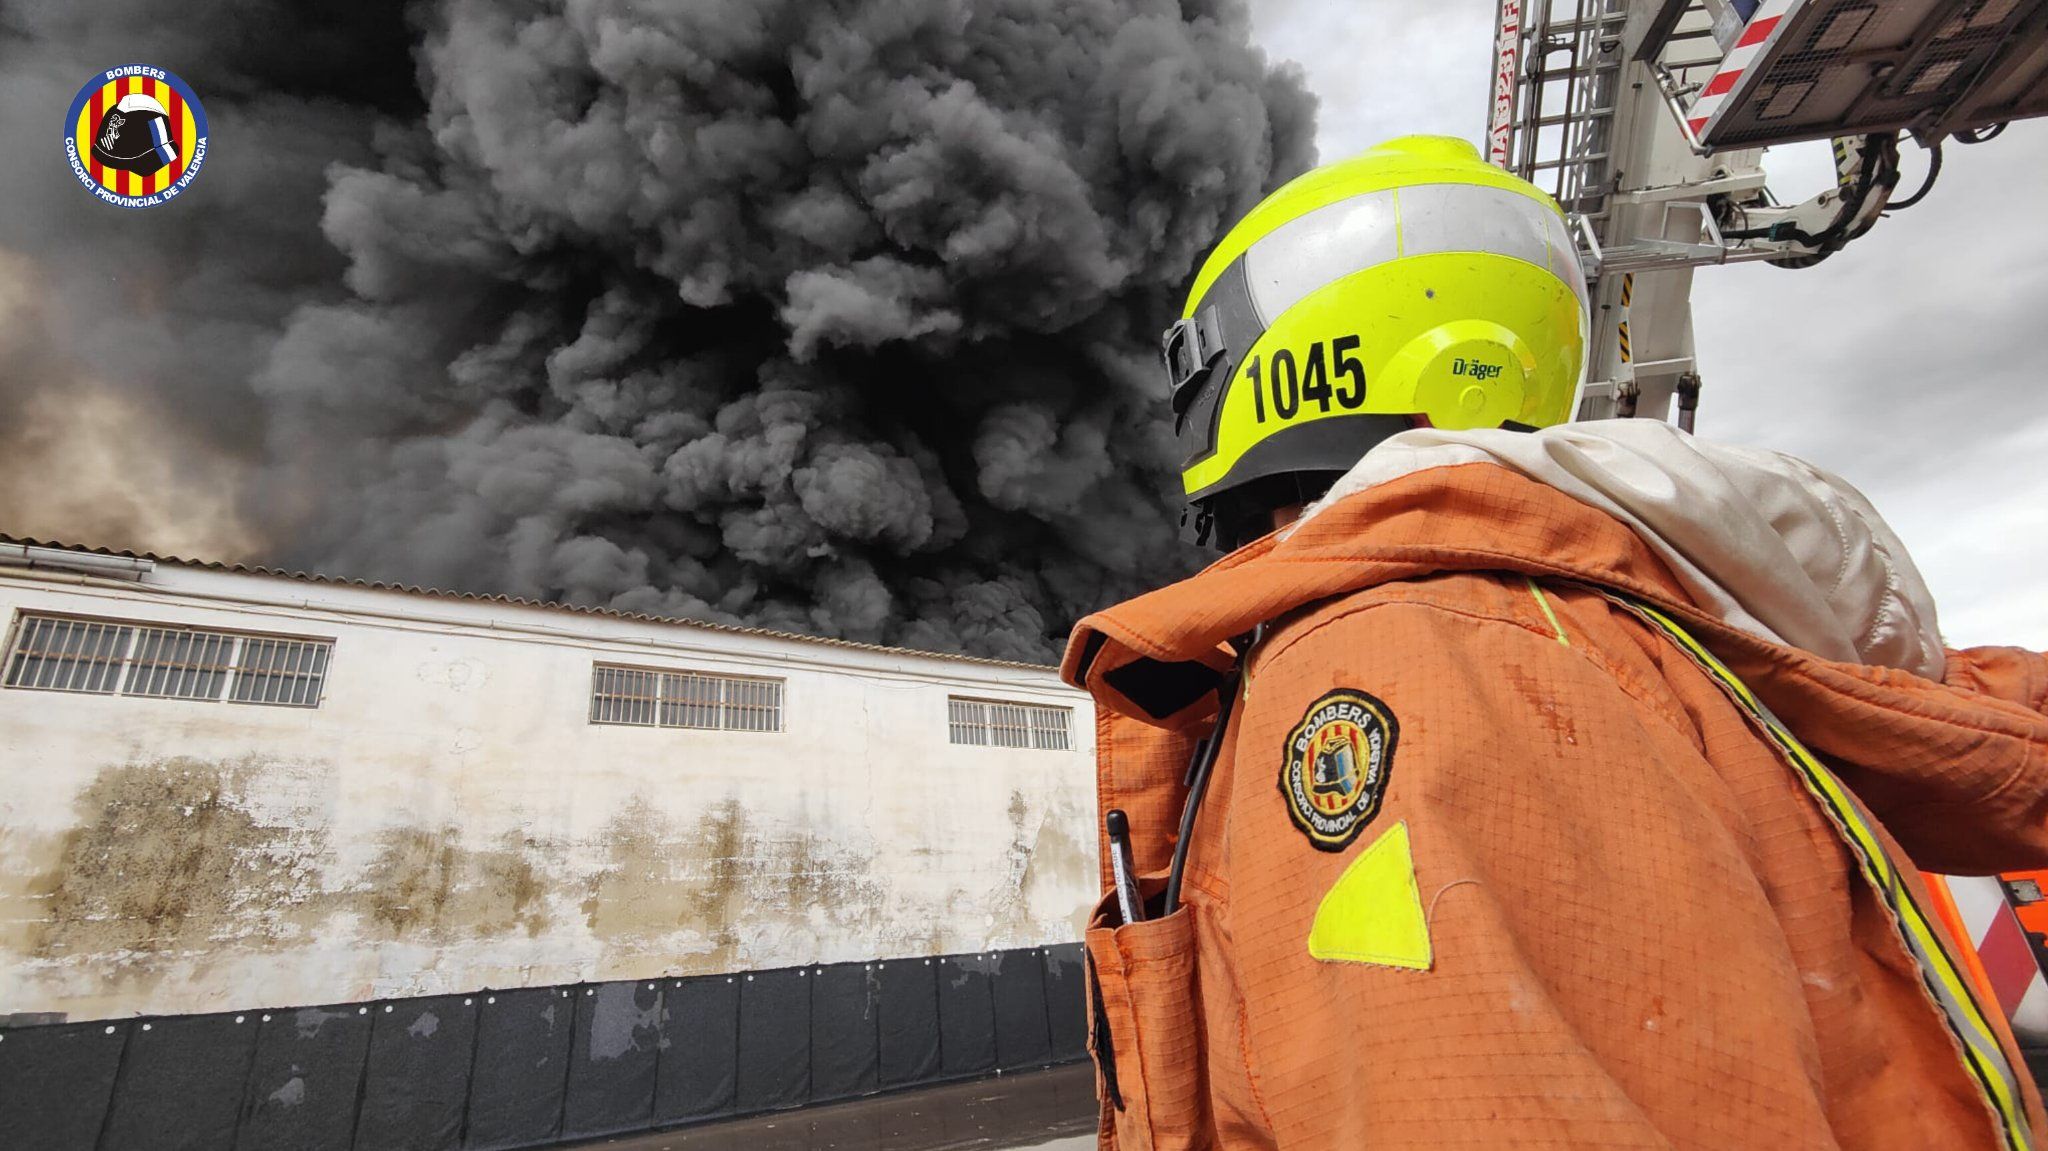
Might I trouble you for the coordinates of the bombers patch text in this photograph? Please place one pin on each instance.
(1335, 764)
(135, 136)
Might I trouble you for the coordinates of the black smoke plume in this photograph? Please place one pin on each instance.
(829, 315)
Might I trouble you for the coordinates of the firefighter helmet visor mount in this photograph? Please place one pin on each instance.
(1190, 348)
(1412, 281)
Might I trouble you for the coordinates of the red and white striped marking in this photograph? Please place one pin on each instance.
(1507, 61)
(1757, 36)
(2003, 950)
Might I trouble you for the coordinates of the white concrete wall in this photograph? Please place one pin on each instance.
(448, 819)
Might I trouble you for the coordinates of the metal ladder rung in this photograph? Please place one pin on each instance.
(1570, 161)
(1566, 98)
(1567, 117)
(1574, 26)
(1572, 74)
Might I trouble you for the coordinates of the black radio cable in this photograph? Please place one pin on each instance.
(1198, 782)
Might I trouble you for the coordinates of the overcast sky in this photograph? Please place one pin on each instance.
(1911, 363)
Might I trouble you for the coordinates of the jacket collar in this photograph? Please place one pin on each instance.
(1157, 658)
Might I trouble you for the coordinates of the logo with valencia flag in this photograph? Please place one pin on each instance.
(1335, 764)
(135, 136)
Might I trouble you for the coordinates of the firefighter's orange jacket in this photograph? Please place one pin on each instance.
(1641, 929)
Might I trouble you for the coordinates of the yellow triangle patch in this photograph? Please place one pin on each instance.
(1373, 913)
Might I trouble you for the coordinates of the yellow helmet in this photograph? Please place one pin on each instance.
(1413, 280)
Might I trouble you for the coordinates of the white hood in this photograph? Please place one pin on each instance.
(1773, 545)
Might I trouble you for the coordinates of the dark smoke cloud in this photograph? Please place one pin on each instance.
(168, 314)
(832, 315)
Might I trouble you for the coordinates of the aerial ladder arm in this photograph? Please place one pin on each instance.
(1647, 119)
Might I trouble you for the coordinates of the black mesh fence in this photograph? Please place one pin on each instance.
(498, 1070)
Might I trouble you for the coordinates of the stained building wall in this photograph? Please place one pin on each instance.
(448, 819)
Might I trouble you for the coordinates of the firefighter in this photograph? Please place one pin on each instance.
(1533, 785)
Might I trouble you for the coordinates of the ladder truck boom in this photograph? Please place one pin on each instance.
(1647, 119)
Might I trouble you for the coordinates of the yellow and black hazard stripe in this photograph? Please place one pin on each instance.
(1984, 1057)
(1628, 289)
(1622, 332)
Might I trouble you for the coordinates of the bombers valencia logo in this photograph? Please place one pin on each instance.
(135, 136)
(1335, 765)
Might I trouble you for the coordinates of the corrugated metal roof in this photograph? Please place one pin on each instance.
(517, 601)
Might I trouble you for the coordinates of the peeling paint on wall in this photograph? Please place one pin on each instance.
(1062, 862)
(723, 882)
(165, 860)
(428, 885)
(660, 880)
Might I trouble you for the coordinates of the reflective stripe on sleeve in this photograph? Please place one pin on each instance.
(1984, 1056)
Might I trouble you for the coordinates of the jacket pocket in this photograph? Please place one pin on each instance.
(1146, 1032)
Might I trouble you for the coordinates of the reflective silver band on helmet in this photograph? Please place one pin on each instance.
(1321, 247)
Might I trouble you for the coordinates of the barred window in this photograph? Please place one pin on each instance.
(69, 655)
(692, 701)
(172, 663)
(1009, 725)
(753, 704)
(969, 721)
(109, 657)
(1049, 728)
(650, 698)
(990, 723)
(623, 695)
(286, 672)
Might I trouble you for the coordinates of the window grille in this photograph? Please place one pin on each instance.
(648, 698)
(172, 663)
(68, 655)
(692, 701)
(1049, 728)
(108, 657)
(988, 723)
(285, 672)
(1009, 725)
(969, 721)
(622, 695)
(753, 705)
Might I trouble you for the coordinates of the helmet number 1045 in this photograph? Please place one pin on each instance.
(1290, 381)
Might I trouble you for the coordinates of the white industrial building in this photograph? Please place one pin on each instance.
(225, 788)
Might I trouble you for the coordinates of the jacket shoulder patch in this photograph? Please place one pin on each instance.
(1373, 913)
(1335, 765)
